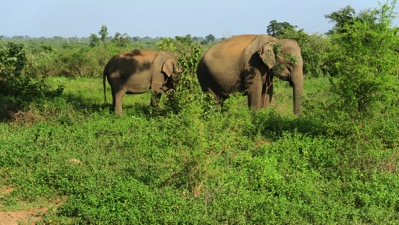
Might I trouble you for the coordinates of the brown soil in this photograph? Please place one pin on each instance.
(29, 216)
(24, 216)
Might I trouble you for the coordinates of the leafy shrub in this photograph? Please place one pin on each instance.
(187, 89)
(18, 88)
(366, 60)
(78, 63)
(42, 62)
(315, 54)
(12, 60)
(235, 166)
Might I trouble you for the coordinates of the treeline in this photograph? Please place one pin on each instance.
(119, 38)
(85, 56)
(83, 40)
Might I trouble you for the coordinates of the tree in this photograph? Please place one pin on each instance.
(136, 38)
(346, 17)
(340, 18)
(314, 47)
(121, 40)
(94, 40)
(186, 40)
(277, 29)
(286, 30)
(103, 33)
(366, 60)
(210, 38)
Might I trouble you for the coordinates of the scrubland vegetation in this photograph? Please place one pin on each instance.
(191, 161)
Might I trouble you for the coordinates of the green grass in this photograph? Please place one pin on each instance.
(234, 166)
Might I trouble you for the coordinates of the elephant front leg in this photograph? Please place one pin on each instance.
(255, 94)
(155, 97)
(267, 95)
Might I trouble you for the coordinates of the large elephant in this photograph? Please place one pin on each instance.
(137, 72)
(248, 63)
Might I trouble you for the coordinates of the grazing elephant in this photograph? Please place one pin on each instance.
(137, 72)
(248, 63)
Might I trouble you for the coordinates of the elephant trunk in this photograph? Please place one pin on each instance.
(297, 93)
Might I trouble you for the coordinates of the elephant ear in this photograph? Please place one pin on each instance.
(168, 67)
(266, 53)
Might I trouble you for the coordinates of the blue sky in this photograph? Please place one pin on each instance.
(222, 18)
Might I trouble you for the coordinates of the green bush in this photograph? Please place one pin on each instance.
(19, 87)
(42, 62)
(12, 60)
(187, 91)
(366, 61)
(79, 63)
(230, 166)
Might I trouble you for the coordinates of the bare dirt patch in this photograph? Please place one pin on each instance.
(29, 215)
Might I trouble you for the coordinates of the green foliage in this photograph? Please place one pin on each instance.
(366, 63)
(210, 38)
(277, 29)
(314, 47)
(17, 89)
(82, 57)
(314, 51)
(121, 40)
(103, 33)
(12, 59)
(195, 163)
(82, 62)
(166, 44)
(179, 45)
(227, 167)
(341, 18)
(188, 91)
(94, 40)
(42, 61)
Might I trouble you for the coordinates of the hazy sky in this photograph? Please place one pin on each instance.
(160, 18)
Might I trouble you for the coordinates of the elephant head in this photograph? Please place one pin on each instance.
(172, 72)
(284, 60)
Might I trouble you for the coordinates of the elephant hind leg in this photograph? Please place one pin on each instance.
(217, 97)
(117, 97)
(208, 85)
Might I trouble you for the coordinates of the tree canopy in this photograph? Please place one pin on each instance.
(277, 29)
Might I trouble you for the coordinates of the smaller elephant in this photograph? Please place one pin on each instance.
(139, 71)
